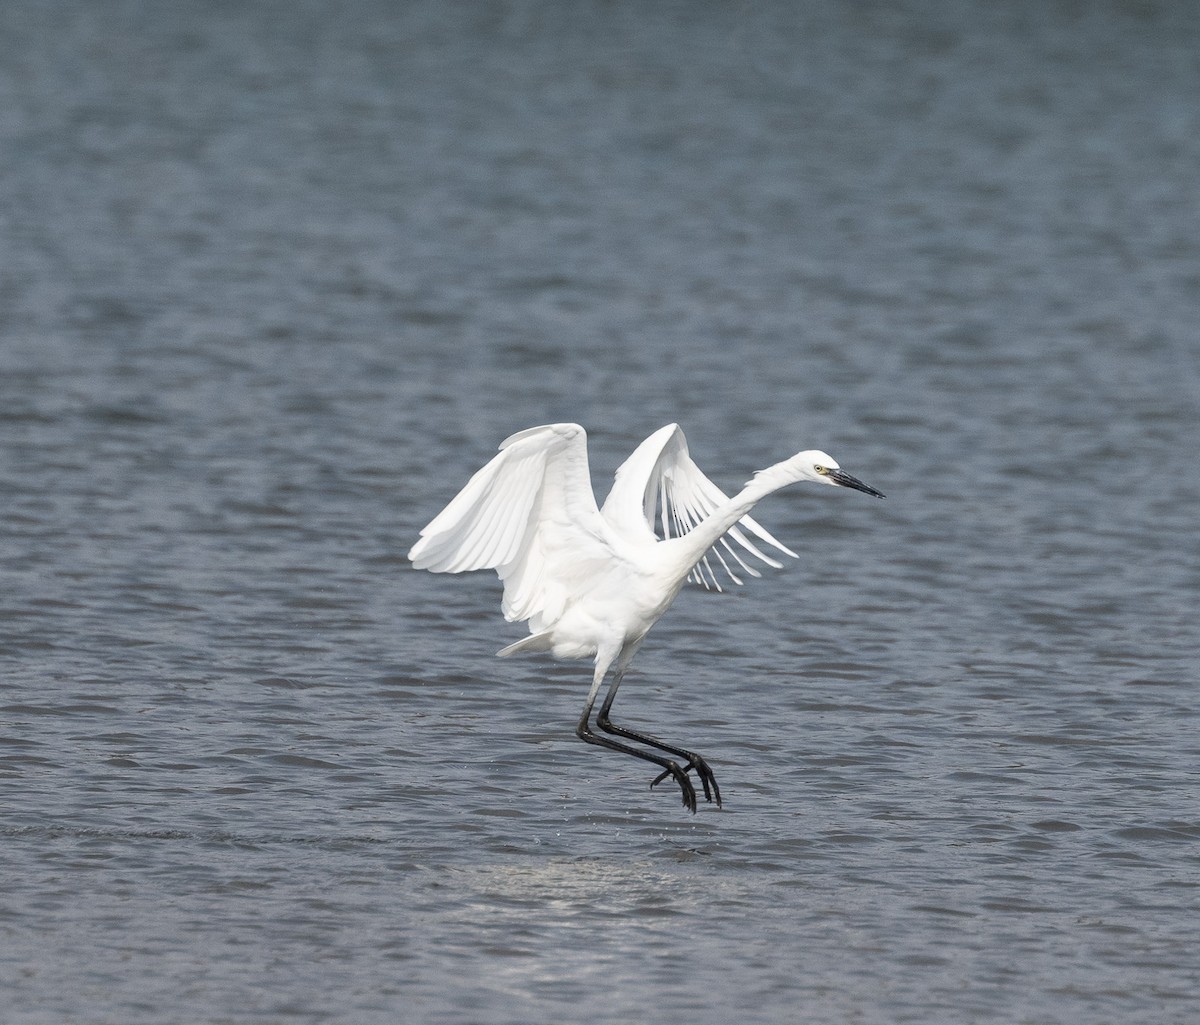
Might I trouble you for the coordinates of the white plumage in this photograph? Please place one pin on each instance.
(592, 581)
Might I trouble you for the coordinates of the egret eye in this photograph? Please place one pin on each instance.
(820, 469)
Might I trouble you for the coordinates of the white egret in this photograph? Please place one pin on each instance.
(590, 581)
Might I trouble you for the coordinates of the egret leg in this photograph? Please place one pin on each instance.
(668, 765)
(694, 761)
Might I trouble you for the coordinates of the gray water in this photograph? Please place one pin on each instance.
(275, 279)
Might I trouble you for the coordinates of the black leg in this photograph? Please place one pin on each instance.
(669, 767)
(694, 761)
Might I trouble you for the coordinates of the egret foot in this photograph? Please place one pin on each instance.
(712, 792)
(669, 767)
(685, 785)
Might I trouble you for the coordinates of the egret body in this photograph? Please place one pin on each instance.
(591, 581)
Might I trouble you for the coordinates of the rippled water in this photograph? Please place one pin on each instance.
(276, 278)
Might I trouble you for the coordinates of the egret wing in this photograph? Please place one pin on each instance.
(530, 515)
(661, 482)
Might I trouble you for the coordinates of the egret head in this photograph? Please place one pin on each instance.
(820, 466)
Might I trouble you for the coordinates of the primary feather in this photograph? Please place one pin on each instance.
(661, 481)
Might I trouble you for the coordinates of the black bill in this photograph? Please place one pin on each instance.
(845, 480)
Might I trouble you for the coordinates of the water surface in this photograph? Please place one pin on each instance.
(276, 281)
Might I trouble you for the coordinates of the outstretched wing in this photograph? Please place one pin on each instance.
(660, 481)
(530, 515)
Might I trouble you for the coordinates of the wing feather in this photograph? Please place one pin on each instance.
(530, 515)
(497, 497)
(661, 481)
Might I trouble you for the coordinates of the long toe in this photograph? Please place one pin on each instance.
(685, 785)
(688, 791)
(712, 792)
